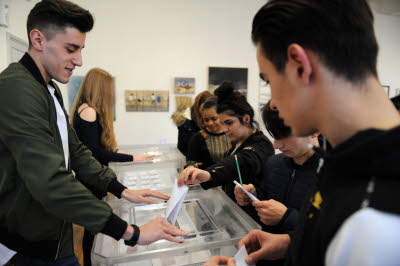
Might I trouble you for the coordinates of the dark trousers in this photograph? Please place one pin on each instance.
(87, 244)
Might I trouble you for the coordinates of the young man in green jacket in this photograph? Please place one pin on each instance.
(39, 196)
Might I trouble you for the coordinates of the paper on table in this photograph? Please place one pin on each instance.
(252, 197)
(241, 256)
(176, 199)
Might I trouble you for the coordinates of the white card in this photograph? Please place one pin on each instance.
(176, 199)
(251, 196)
(240, 257)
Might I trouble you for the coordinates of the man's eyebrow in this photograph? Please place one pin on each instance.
(75, 45)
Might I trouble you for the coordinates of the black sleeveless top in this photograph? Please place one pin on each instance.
(90, 134)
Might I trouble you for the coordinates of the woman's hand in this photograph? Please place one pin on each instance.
(144, 157)
(193, 175)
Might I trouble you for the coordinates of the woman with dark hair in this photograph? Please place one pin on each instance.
(250, 146)
(210, 144)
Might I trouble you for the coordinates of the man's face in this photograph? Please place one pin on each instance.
(287, 96)
(62, 53)
(234, 130)
(292, 146)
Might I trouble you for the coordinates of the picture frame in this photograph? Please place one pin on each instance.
(237, 75)
(184, 86)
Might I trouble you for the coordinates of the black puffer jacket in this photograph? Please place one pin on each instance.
(252, 156)
(342, 187)
(288, 183)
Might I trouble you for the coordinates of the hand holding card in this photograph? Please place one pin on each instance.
(251, 196)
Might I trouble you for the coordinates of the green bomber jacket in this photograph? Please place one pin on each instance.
(39, 196)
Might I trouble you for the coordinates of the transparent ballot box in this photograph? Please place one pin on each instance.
(214, 222)
(162, 153)
(146, 176)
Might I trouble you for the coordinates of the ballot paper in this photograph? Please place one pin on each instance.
(240, 257)
(176, 199)
(251, 196)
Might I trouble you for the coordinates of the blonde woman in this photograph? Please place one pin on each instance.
(92, 118)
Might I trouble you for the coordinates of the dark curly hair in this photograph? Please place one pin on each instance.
(233, 103)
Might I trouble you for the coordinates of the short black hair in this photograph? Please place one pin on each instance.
(51, 16)
(231, 102)
(274, 124)
(340, 32)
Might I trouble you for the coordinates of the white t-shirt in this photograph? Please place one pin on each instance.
(62, 125)
(5, 254)
(368, 237)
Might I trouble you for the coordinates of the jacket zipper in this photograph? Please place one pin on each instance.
(59, 241)
(290, 185)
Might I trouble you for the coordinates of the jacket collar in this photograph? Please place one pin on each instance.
(31, 66)
(309, 164)
(368, 153)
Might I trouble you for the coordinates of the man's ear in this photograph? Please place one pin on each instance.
(246, 119)
(37, 38)
(299, 63)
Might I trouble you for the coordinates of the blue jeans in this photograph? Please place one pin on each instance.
(20, 260)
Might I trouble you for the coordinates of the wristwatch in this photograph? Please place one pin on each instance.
(136, 233)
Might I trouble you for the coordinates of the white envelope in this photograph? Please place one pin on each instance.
(176, 199)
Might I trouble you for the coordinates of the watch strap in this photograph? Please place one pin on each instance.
(135, 237)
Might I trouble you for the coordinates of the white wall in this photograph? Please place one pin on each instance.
(387, 32)
(145, 44)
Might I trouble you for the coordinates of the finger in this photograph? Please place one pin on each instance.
(173, 239)
(175, 231)
(217, 260)
(256, 256)
(157, 194)
(172, 229)
(258, 204)
(192, 177)
(182, 177)
(231, 262)
(148, 201)
(249, 240)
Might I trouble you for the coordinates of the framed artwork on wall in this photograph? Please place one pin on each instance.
(185, 101)
(184, 86)
(72, 89)
(238, 76)
(146, 101)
